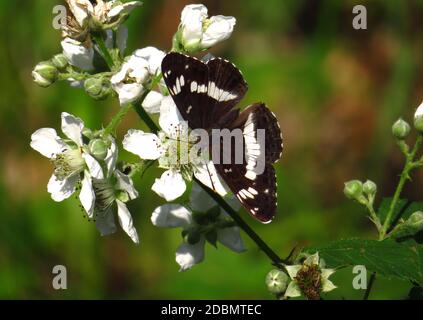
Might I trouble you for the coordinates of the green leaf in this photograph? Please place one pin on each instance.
(388, 258)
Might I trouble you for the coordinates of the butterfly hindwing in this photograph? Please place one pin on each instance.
(254, 180)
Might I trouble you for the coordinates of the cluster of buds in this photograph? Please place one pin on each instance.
(363, 193)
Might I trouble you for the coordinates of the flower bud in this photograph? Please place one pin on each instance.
(60, 61)
(97, 88)
(45, 74)
(353, 189)
(416, 221)
(369, 188)
(98, 148)
(401, 129)
(418, 119)
(277, 281)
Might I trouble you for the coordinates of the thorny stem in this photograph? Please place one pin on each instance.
(405, 175)
(104, 51)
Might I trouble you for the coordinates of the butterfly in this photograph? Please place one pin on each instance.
(206, 95)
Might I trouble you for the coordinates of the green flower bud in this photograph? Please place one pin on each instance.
(86, 132)
(401, 129)
(353, 189)
(416, 221)
(418, 119)
(45, 74)
(60, 61)
(277, 281)
(369, 188)
(98, 88)
(98, 148)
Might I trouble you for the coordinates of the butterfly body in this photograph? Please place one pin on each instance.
(206, 95)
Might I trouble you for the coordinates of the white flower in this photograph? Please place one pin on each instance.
(78, 54)
(171, 147)
(71, 159)
(204, 221)
(109, 190)
(135, 73)
(104, 12)
(310, 276)
(198, 32)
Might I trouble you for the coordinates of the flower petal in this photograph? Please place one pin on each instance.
(62, 189)
(169, 116)
(72, 127)
(231, 238)
(126, 184)
(123, 9)
(111, 157)
(188, 255)
(170, 186)
(128, 93)
(105, 222)
(122, 38)
(192, 23)
(293, 290)
(153, 56)
(152, 102)
(326, 273)
(208, 176)
(220, 28)
(145, 145)
(95, 169)
(77, 54)
(126, 222)
(293, 270)
(47, 142)
(80, 9)
(171, 216)
(312, 260)
(327, 285)
(87, 195)
(199, 199)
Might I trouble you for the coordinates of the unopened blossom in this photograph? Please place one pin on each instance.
(131, 81)
(199, 32)
(70, 157)
(172, 148)
(418, 118)
(108, 193)
(202, 221)
(309, 279)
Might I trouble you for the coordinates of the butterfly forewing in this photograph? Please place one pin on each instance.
(206, 95)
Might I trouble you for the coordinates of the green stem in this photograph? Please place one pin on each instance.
(104, 51)
(405, 175)
(222, 203)
(117, 119)
(277, 261)
(373, 216)
(370, 286)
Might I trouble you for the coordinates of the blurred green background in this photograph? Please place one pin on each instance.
(335, 90)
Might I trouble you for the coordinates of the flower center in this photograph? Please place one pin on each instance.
(309, 281)
(68, 163)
